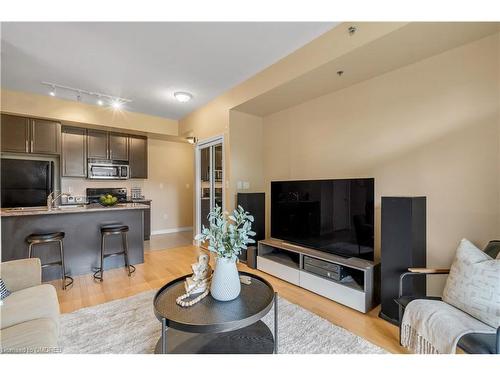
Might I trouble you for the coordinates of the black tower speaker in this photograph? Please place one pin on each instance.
(403, 245)
(255, 204)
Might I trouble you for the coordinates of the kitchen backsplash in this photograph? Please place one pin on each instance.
(77, 186)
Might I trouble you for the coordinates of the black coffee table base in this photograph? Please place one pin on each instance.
(212, 326)
(254, 339)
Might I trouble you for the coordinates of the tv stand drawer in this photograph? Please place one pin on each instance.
(334, 291)
(292, 275)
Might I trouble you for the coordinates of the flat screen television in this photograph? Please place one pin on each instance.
(334, 216)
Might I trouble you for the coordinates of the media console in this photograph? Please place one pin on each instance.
(350, 281)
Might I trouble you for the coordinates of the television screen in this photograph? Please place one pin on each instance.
(334, 216)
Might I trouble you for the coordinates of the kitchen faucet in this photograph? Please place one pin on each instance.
(52, 198)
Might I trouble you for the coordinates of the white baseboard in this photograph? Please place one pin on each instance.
(171, 230)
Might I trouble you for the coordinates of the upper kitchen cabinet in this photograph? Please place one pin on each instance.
(118, 146)
(97, 144)
(74, 152)
(45, 137)
(138, 157)
(104, 145)
(20, 134)
(15, 133)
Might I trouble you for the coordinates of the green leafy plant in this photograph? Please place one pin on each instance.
(227, 235)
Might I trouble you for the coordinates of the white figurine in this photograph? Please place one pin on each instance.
(197, 283)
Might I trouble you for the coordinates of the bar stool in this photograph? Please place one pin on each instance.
(108, 230)
(43, 238)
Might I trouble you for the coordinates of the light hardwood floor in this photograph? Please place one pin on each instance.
(161, 266)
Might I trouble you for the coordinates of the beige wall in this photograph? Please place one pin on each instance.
(29, 104)
(431, 128)
(169, 184)
(246, 152)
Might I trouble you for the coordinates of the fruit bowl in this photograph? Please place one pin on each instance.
(108, 200)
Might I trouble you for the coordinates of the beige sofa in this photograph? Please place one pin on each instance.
(30, 315)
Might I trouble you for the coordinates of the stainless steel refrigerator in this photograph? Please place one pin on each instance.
(26, 183)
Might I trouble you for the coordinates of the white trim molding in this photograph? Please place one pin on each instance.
(171, 230)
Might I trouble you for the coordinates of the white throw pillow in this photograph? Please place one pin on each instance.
(473, 285)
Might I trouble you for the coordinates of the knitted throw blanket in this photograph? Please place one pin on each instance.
(434, 327)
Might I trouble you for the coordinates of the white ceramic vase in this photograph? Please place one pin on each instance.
(225, 285)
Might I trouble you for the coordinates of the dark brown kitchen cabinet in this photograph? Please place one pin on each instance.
(74, 152)
(118, 146)
(138, 156)
(97, 144)
(21, 134)
(15, 133)
(45, 137)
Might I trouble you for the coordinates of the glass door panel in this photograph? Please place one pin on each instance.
(211, 180)
(217, 177)
(205, 190)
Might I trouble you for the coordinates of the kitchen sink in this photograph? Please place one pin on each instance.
(69, 206)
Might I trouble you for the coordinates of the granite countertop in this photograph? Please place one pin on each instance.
(95, 207)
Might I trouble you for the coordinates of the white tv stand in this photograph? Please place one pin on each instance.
(286, 261)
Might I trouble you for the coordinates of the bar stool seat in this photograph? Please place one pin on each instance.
(107, 230)
(43, 238)
(114, 228)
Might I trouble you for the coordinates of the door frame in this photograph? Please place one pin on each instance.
(203, 143)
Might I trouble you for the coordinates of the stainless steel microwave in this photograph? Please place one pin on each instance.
(107, 170)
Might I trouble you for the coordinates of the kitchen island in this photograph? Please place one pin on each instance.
(82, 240)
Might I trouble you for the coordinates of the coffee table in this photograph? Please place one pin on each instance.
(212, 326)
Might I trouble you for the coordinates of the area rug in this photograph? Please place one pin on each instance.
(129, 326)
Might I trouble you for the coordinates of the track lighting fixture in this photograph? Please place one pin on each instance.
(116, 102)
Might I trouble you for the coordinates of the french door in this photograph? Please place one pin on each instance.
(209, 178)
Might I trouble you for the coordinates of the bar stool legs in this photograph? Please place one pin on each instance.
(130, 268)
(30, 249)
(39, 238)
(107, 231)
(65, 285)
(99, 274)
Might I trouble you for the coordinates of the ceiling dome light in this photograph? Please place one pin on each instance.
(100, 102)
(53, 91)
(116, 104)
(183, 97)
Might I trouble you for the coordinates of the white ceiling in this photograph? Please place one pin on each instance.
(146, 62)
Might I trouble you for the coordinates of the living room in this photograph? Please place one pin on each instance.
(311, 187)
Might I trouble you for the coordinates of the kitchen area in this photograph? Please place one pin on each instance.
(72, 179)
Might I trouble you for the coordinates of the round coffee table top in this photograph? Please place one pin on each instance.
(210, 315)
